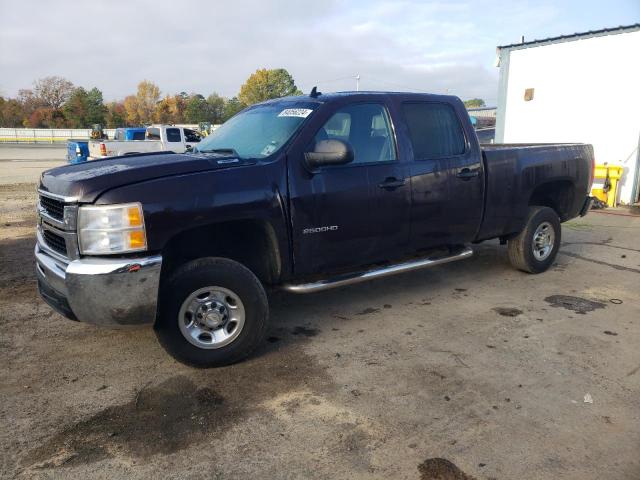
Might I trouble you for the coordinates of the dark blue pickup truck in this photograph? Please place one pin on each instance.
(302, 193)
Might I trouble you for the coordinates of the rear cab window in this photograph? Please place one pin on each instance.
(153, 133)
(434, 130)
(173, 135)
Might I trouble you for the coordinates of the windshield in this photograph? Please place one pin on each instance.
(258, 132)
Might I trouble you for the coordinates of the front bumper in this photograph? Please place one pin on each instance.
(107, 292)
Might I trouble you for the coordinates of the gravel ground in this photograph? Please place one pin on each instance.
(468, 370)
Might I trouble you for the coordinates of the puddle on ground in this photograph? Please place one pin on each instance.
(441, 469)
(575, 304)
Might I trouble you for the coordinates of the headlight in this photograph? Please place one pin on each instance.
(108, 229)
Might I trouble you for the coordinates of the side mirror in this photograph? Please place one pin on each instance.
(329, 152)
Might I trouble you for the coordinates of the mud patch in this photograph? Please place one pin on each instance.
(368, 311)
(507, 312)
(305, 331)
(181, 411)
(161, 419)
(441, 469)
(575, 304)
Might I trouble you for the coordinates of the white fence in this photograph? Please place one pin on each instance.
(55, 135)
(45, 135)
(483, 112)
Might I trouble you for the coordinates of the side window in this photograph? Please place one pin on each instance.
(173, 135)
(191, 136)
(366, 127)
(434, 129)
(138, 136)
(153, 133)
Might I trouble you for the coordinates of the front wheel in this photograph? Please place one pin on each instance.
(213, 312)
(535, 248)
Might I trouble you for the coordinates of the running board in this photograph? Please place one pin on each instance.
(357, 277)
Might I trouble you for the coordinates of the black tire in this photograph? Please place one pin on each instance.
(207, 272)
(521, 251)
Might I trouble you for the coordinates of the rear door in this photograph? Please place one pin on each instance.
(446, 176)
(354, 214)
(174, 140)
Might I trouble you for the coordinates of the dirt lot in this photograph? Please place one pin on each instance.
(469, 370)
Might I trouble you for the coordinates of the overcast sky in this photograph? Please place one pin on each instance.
(213, 46)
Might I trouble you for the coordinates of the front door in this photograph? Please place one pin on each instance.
(354, 214)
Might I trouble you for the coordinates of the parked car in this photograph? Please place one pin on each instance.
(157, 138)
(78, 149)
(302, 194)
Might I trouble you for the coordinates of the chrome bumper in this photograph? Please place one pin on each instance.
(107, 292)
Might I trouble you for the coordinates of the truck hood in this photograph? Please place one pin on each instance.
(84, 182)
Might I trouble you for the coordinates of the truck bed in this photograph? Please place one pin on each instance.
(523, 174)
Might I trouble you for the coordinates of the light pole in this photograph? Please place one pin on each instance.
(358, 83)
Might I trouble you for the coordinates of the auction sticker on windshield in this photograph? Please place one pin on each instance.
(295, 112)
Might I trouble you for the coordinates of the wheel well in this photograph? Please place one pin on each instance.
(251, 243)
(557, 195)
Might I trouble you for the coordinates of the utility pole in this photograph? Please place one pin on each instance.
(357, 82)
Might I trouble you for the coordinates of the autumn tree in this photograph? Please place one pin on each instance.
(130, 105)
(12, 113)
(266, 84)
(474, 103)
(170, 109)
(53, 92)
(147, 97)
(116, 115)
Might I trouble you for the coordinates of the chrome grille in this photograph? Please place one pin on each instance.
(52, 207)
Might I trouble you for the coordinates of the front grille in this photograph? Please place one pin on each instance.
(54, 208)
(55, 242)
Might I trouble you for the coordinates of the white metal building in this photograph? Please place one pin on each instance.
(583, 87)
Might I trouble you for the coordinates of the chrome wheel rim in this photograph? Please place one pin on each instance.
(211, 317)
(543, 241)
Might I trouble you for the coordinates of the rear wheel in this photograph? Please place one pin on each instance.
(213, 312)
(535, 248)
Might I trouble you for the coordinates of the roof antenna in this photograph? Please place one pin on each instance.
(315, 93)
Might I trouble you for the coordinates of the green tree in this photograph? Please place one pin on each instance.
(216, 108)
(96, 110)
(231, 107)
(196, 110)
(266, 84)
(474, 103)
(75, 109)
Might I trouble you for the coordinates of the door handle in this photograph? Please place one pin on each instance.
(467, 174)
(391, 183)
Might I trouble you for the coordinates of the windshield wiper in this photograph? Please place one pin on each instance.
(226, 151)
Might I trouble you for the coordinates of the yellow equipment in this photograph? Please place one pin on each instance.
(611, 175)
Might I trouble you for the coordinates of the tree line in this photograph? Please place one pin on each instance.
(55, 102)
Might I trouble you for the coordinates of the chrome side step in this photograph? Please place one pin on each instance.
(357, 277)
